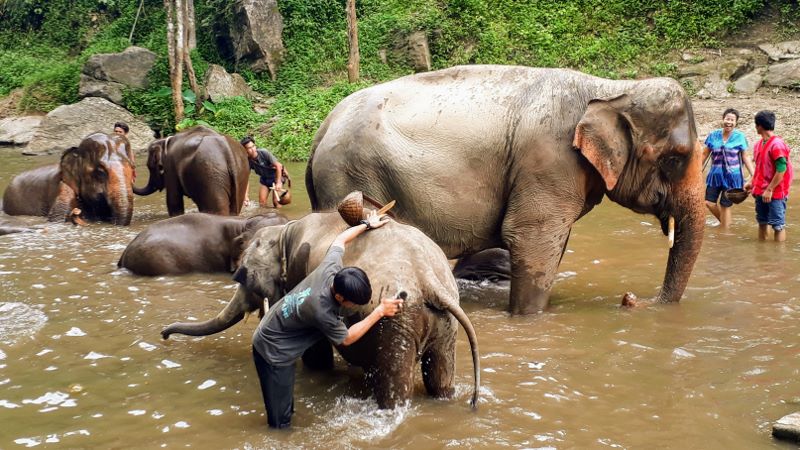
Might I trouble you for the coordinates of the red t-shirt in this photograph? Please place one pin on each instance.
(765, 156)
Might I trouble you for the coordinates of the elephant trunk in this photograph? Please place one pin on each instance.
(120, 196)
(462, 318)
(231, 315)
(689, 227)
(154, 183)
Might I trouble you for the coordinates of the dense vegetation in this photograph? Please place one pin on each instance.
(44, 43)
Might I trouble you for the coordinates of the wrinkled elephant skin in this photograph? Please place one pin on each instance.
(195, 242)
(482, 157)
(96, 176)
(208, 167)
(395, 257)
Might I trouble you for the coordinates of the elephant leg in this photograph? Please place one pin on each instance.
(174, 197)
(535, 255)
(392, 378)
(438, 365)
(319, 356)
(65, 202)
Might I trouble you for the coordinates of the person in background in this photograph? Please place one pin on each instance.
(727, 148)
(772, 178)
(308, 313)
(269, 170)
(122, 129)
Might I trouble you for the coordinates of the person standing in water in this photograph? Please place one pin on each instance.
(727, 149)
(772, 179)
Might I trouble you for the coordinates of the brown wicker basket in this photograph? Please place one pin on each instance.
(736, 195)
(351, 208)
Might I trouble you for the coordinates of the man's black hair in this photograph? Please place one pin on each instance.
(246, 140)
(766, 120)
(731, 111)
(352, 284)
(122, 125)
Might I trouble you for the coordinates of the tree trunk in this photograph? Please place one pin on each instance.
(352, 38)
(188, 19)
(175, 72)
(191, 39)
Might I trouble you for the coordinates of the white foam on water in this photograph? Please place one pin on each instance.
(169, 364)
(206, 384)
(8, 404)
(44, 352)
(50, 398)
(680, 353)
(75, 332)
(19, 321)
(147, 347)
(354, 419)
(28, 442)
(95, 355)
(137, 412)
(215, 412)
(181, 424)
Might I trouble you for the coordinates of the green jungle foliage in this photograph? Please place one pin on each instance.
(44, 43)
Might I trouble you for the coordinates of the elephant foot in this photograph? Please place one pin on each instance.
(75, 217)
(529, 301)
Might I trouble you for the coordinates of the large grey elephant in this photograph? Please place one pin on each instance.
(196, 242)
(206, 166)
(502, 156)
(96, 176)
(396, 257)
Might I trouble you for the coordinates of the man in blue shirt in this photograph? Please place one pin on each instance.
(269, 170)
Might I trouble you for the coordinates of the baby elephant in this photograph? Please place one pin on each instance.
(195, 242)
(396, 258)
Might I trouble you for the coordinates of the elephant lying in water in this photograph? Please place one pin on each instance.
(481, 156)
(492, 265)
(96, 176)
(196, 242)
(395, 257)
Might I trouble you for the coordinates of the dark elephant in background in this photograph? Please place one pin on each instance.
(195, 242)
(96, 176)
(206, 166)
(501, 156)
(396, 257)
(492, 265)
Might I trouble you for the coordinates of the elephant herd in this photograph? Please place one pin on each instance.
(490, 164)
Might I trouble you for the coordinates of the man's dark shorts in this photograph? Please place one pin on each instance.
(277, 389)
(772, 213)
(267, 181)
(715, 193)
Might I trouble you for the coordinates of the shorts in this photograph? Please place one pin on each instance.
(277, 390)
(772, 213)
(270, 180)
(714, 193)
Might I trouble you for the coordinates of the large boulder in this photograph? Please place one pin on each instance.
(788, 428)
(749, 83)
(257, 38)
(782, 50)
(418, 51)
(67, 125)
(106, 75)
(725, 68)
(18, 130)
(784, 74)
(220, 84)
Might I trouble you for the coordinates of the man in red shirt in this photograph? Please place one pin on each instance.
(772, 179)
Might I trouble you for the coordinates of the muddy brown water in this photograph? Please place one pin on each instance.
(82, 364)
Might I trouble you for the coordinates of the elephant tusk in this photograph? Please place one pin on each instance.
(671, 235)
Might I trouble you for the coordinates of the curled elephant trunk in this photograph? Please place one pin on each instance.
(462, 318)
(688, 232)
(154, 183)
(242, 302)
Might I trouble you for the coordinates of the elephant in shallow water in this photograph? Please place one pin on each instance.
(491, 265)
(501, 156)
(395, 257)
(196, 242)
(96, 176)
(208, 167)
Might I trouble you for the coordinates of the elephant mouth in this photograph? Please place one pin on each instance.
(98, 210)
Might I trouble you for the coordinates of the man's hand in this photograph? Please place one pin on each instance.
(766, 197)
(376, 221)
(391, 306)
(246, 202)
(748, 186)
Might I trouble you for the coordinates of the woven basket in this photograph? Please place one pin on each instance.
(351, 208)
(736, 195)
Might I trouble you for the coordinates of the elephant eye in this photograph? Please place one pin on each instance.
(672, 166)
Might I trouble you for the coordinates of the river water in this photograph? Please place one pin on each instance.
(82, 364)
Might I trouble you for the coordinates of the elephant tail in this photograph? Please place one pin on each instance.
(461, 316)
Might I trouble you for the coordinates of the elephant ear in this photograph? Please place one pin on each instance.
(604, 137)
(238, 246)
(72, 163)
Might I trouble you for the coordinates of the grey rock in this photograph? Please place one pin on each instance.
(784, 74)
(107, 74)
(727, 68)
(220, 84)
(18, 130)
(787, 427)
(782, 50)
(67, 125)
(418, 51)
(257, 38)
(749, 83)
(714, 87)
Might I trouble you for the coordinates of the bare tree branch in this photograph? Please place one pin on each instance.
(354, 57)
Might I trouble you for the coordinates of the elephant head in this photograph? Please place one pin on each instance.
(644, 146)
(101, 175)
(252, 225)
(259, 278)
(155, 163)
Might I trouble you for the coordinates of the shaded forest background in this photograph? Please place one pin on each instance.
(44, 44)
